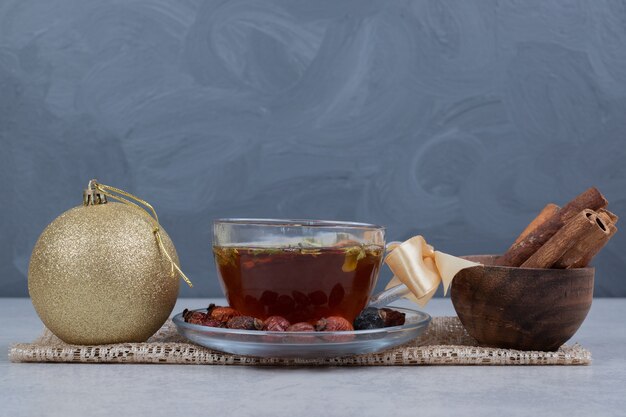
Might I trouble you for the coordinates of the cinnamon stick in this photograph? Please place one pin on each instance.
(543, 215)
(520, 251)
(612, 217)
(584, 224)
(583, 251)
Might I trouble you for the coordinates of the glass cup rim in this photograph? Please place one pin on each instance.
(297, 223)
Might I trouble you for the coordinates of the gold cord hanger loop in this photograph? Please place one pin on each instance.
(134, 201)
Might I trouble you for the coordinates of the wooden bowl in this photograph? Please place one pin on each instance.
(521, 308)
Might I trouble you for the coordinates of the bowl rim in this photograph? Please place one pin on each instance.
(297, 223)
(587, 268)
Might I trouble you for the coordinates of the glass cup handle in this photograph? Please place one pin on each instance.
(392, 294)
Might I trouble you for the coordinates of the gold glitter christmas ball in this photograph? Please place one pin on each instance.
(98, 276)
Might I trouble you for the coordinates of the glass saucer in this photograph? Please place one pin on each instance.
(304, 344)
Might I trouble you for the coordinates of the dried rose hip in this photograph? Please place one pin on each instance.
(193, 317)
(368, 319)
(268, 298)
(318, 298)
(336, 296)
(222, 314)
(301, 327)
(301, 298)
(392, 317)
(333, 324)
(244, 323)
(276, 324)
(285, 303)
(212, 322)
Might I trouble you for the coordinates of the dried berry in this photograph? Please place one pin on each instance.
(318, 298)
(301, 298)
(212, 322)
(392, 317)
(285, 303)
(193, 317)
(244, 323)
(333, 324)
(301, 327)
(268, 298)
(276, 324)
(368, 319)
(337, 294)
(222, 314)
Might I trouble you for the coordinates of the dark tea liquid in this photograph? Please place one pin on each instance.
(300, 284)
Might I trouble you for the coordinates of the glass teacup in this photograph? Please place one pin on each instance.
(302, 270)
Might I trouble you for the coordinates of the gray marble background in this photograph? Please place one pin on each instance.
(458, 120)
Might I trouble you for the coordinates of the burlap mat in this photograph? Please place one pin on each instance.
(445, 342)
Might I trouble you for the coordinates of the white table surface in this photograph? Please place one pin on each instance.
(194, 390)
